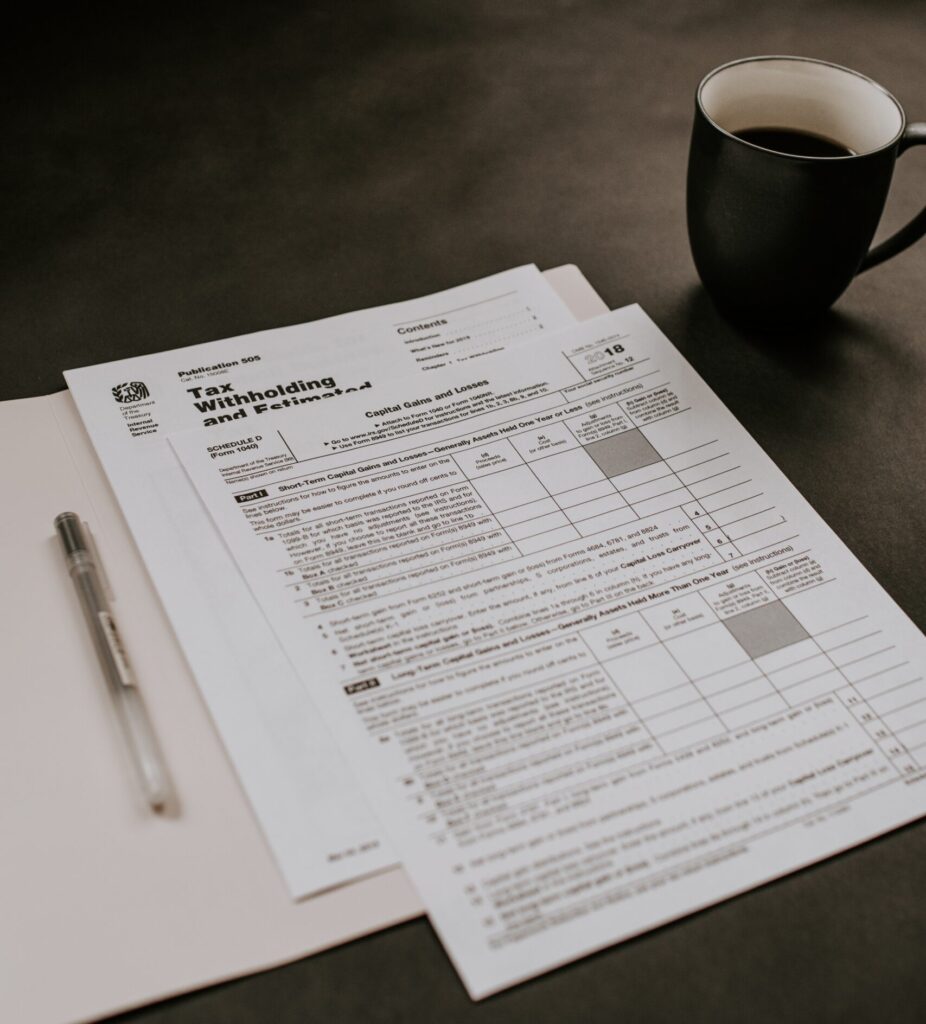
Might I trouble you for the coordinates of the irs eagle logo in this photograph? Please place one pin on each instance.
(131, 391)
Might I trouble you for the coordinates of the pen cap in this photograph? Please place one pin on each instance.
(71, 533)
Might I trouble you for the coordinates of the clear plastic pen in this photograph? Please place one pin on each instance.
(120, 680)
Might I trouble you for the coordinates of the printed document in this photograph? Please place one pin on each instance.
(302, 790)
(594, 659)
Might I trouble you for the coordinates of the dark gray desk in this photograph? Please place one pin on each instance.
(168, 180)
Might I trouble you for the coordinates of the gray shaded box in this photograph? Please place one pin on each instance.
(766, 629)
(622, 453)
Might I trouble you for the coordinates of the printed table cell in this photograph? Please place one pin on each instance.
(541, 524)
(608, 521)
(656, 404)
(622, 453)
(603, 422)
(885, 681)
(680, 434)
(653, 489)
(899, 697)
(695, 512)
(675, 618)
(579, 495)
(765, 629)
(723, 498)
(704, 523)
(645, 673)
(741, 511)
(765, 538)
(753, 525)
(696, 733)
(738, 595)
(545, 441)
(858, 650)
(914, 736)
(671, 499)
(619, 636)
(828, 612)
(567, 470)
(800, 671)
(689, 714)
(789, 655)
(596, 507)
(693, 456)
(871, 665)
(509, 488)
(729, 678)
(747, 713)
(714, 476)
(626, 481)
(705, 467)
(713, 484)
(816, 687)
(850, 633)
(679, 696)
(547, 540)
(706, 651)
(488, 458)
(908, 714)
(529, 510)
(789, 577)
(733, 697)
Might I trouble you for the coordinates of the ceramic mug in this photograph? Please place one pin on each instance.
(780, 235)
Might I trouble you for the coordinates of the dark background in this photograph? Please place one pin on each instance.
(169, 178)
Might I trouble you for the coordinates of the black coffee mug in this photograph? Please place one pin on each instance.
(779, 235)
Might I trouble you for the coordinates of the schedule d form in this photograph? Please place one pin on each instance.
(594, 660)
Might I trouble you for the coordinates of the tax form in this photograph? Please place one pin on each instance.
(595, 661)
(302, 791)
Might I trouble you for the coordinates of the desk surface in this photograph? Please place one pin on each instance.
(168, 181)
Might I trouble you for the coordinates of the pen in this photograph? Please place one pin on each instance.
(120, 681)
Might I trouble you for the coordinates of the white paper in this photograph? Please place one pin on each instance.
(595, 660)
(106, 906)
(309, 806)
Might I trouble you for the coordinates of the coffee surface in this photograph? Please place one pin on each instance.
(795, 143)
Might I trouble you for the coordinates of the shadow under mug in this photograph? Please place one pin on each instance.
(777, 236)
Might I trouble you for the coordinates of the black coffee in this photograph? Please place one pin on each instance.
(787, 140)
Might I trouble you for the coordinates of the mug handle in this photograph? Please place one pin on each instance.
(914, 135)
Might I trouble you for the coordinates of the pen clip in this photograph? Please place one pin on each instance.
(100, 564)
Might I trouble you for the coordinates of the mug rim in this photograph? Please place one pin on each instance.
(803, 60)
